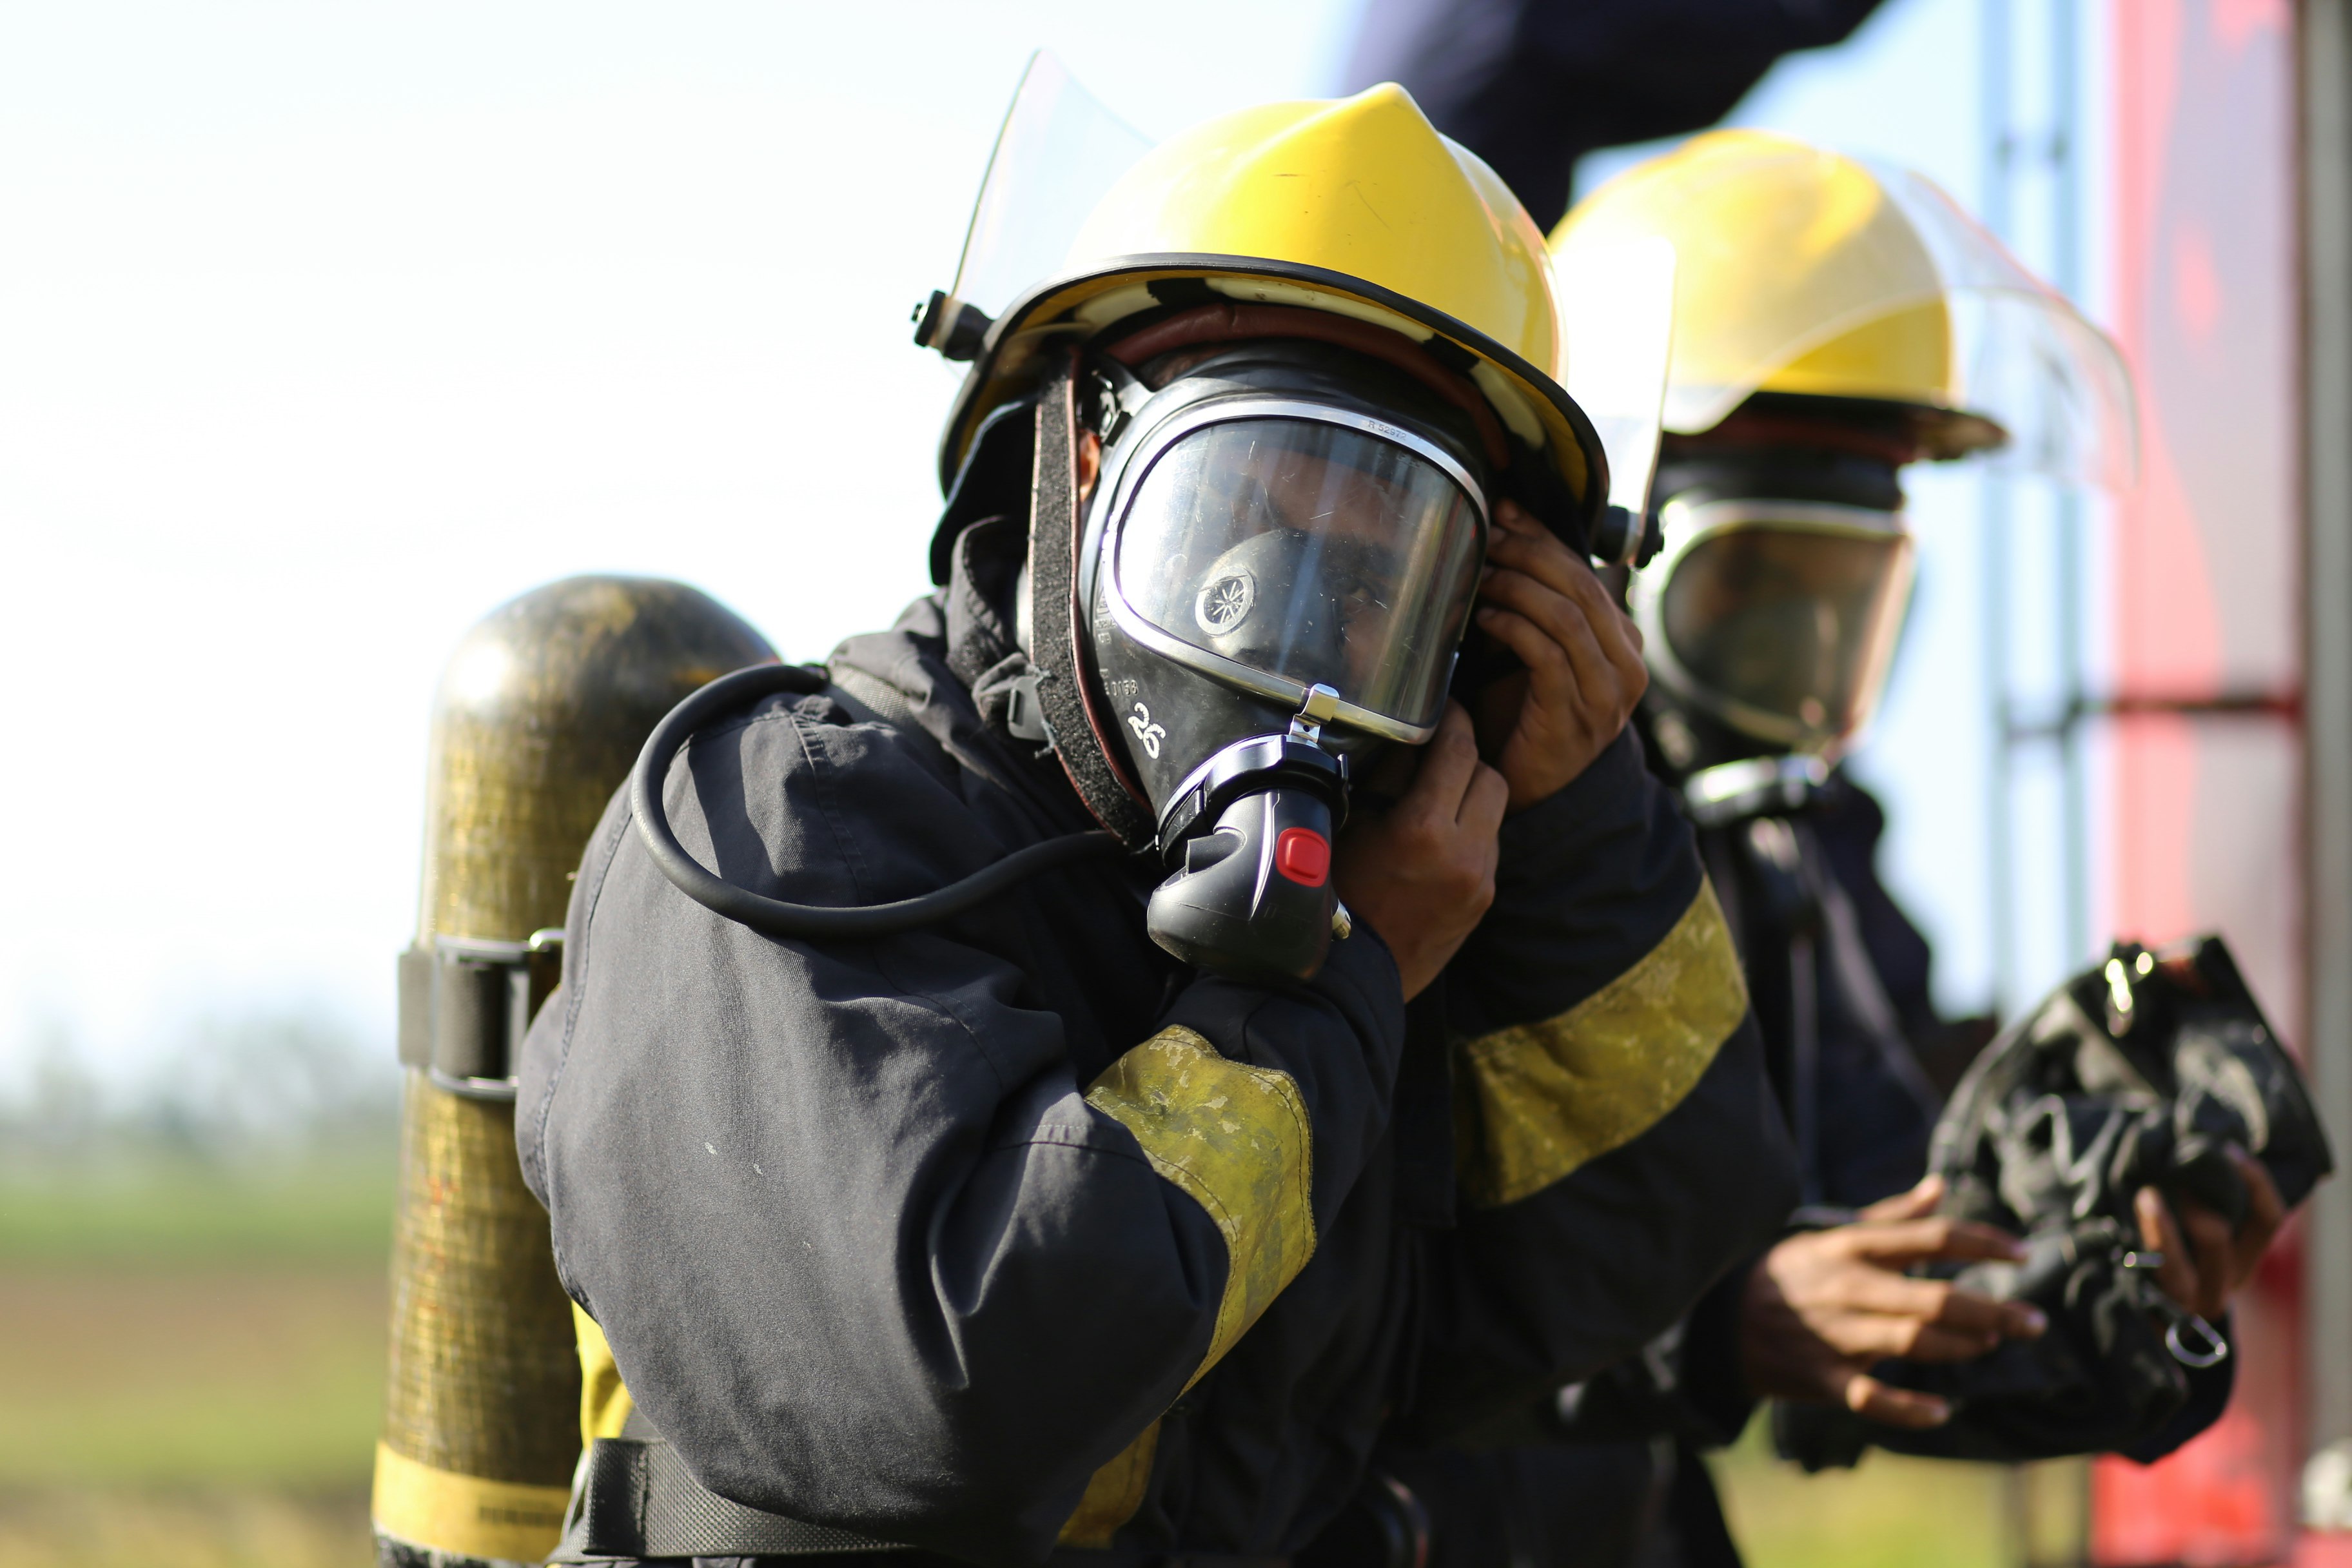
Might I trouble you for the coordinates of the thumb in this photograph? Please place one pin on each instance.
(1875, 1401)
(1920, 1200)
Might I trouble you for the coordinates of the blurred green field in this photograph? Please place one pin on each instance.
(156, 1527)
(147, 1209)
(191, 1362)
(1889, 1510)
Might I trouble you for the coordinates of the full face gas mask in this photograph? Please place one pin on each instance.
(1771, 617)
(1278, 564)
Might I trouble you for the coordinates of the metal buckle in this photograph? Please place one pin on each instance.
(2217, 1349)
(467, 1003)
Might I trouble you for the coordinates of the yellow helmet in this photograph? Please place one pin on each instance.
(1352, 207)
(1802, 271)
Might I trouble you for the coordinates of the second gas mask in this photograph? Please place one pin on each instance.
(1773, 609)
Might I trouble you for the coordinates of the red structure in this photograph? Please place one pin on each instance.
(2219, 818)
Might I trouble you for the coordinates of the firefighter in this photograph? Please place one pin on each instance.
(1833, 325)
(1389, 1077)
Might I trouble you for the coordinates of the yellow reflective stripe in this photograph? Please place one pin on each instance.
(464, 1515)
(1539, 1099)
(604, 1399)
(1114, 1494)
(1236, 1139)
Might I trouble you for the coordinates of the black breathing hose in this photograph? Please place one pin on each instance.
(774, 917)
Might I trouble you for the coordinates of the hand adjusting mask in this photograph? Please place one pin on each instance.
(1278, 564)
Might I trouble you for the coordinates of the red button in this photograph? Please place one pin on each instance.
(1303, 855)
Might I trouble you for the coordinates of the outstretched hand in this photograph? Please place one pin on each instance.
(1823, 1306)
(1544, 725)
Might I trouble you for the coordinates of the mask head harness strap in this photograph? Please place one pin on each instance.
(1066, 684)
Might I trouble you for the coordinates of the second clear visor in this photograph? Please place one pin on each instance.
(1790, 628)
(1785, 254)
(1313, 552)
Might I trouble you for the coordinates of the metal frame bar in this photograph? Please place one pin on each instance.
(2009, 150)
(2067, 274)
(1996, 47)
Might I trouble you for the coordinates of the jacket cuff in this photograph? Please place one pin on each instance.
(1361, 975)
(1714, 1385)
(1537, 840)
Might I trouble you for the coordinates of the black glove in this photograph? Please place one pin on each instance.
(2141, 1072)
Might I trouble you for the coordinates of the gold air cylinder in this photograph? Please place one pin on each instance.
(540, 712)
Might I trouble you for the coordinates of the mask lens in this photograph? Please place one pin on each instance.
(1308, 550)
(1796, 624)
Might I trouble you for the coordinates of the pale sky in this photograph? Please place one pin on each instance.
(325, 328)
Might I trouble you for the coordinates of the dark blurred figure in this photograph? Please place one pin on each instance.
(1531, 85)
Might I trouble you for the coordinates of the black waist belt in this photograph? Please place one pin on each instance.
(632, 1498)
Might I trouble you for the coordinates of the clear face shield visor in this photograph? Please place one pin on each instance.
(1277, 545)
(1805, 271)
(1778, 619)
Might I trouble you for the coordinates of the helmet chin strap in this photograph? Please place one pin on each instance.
(1065, 685)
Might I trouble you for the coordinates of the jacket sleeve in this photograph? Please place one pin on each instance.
(1849, 823)
(1685, 1384)
(865, 1249)
(1616, 1140)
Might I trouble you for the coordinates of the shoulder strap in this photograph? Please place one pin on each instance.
(881, 699)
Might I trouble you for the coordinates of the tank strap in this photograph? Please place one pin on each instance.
(631, 1498)
(466, 1004)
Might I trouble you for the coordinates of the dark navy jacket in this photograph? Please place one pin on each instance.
(1015, 1231)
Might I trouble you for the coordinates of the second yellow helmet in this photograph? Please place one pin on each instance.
(1803, 271)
